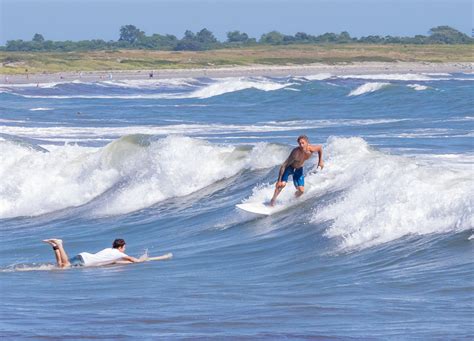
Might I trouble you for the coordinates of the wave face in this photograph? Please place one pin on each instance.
(382, 236)
(136, 169)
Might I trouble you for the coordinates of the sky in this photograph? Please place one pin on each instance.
(102, 19)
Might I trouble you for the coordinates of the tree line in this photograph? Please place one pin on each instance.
(132, 37)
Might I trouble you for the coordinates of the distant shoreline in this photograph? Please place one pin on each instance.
(241, 71)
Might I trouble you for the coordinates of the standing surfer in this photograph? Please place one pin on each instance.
(294, 166)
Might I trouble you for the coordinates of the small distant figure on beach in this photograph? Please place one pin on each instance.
(105, 257)
(110, 76)
(151, 74)
(294, 166)
(6, 79)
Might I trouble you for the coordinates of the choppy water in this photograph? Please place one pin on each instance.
(380, 246)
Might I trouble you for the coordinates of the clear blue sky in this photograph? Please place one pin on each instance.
(89, 19)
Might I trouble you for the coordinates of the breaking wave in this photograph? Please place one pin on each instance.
(367, 88)
(373, 197)
(385, 197)
(137, 170)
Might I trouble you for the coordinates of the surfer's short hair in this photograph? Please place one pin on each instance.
(302, 137)
(118, 243)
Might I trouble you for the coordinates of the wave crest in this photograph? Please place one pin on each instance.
(368, 87)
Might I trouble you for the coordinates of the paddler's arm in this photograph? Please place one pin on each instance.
(132, 259)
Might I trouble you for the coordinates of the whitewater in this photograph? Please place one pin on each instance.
(380, 245)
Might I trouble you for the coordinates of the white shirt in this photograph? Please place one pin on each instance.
(104, 257)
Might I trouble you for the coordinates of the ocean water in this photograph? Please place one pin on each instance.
(379, 247)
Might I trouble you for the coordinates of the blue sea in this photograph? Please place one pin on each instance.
(379, 247)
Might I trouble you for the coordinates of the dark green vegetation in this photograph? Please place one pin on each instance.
(132, 37)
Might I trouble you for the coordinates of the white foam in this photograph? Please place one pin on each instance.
(216, 88)
(367, 88)
(5, 120)
(393, 76)
(436, 74)
(34, 182)
(33, 85)
(318, 77)
(418, 87)
(386, 197)
(227, 85)
(150, 83)
(30, 267)
(67, 134)
(41, 109)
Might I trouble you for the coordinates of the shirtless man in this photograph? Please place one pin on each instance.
(113, 255)
(294, 166)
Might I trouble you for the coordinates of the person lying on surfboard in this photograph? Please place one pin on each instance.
(294, 166)
(114, 255)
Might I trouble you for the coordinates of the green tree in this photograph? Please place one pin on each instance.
(38, 38)
(327, 38)
(344, 37)
(158, 42)
(237, 37)
(273, 38)
(188, 42)
(302, 37)
(206, 37)
(203, 40)
(372, 39)
(131, 34)
(189, 35)
(448, 35)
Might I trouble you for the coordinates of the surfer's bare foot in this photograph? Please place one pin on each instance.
(58, 242)
(298, 194)
(50, 242)
(272, 203)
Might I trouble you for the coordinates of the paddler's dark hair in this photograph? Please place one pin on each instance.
(118, 243)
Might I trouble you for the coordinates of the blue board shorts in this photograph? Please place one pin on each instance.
(298, 177)
(76, 261)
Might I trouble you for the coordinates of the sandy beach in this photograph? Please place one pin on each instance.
(239, 71)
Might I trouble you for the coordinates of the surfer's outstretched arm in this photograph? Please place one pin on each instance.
(319, 149)
(145, 259)
(132, 259)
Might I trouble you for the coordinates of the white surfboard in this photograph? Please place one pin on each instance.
(149, 259)
(257, 208)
